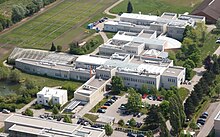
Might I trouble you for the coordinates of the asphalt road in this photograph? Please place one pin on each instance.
(213, 110)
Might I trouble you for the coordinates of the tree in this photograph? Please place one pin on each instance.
(28, 112)
(29, 84)
(67, 119)
(132, 122)
(218, 24)
(18, 13)
(190, 63)
(121, 122)
(55, 110)
(129, 7)
(4, 73)
(165, 109)
(144, 89)
(152, 121)
(117, 84)
(108, 130)
(59, 48)
(53, 47)
(15, 76)
(134, 101)
(164, 132)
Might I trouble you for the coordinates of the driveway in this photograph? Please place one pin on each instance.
(213, 110)
(113, 110)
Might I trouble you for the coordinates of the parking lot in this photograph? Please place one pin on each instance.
(113, 110)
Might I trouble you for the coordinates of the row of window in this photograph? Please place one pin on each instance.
(138, 80)
(171, 80)
(103, 75)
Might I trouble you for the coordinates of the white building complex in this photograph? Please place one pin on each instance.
(56, 96)
(24, 126)
(168, 24)
(138, 57)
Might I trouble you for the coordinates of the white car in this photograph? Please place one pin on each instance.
(217, 41)
(5, 111)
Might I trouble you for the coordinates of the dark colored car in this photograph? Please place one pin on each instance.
(130, 134)
(114, 98)
(126, 113)
(107, 104)
(101, 110)
(135, 114)
(140, 135)
(201, 122)
(203, 117)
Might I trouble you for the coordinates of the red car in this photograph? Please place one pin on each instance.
(144, 96)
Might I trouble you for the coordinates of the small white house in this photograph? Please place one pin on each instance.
(57, 96)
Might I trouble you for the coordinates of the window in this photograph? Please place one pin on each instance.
(39, 96)
(46, 101)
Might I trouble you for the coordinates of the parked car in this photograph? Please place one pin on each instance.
(114, 97)
(144, 96)
(122, 108)
(199, 125)
(85, 123)
(139, 115)
(107, 104)
(159, 98)
(154, 97)
(5, 111)
(130, 134)
(126, 113)
(201, 122)
(203, 116)
(80, 121)
(104, 107)
(206, 114)
(101, 110)
(217, 41)
(150, 97)
(135, 114)
(140, 135)
(201, 119)
(138, 124)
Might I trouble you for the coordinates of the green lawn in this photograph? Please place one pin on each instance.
(158, 6)
(40, 31)
(97, 106)
(50, 82)
(92, 117)
(183, 92)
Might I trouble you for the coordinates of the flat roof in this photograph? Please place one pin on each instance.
(139, 16)
(91, 59)
(168, 15)
(173, 71)
(52, 91)
(48, 128)
(41, 123)
(44, 64)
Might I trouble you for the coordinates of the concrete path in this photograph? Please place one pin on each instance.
(213, 110)
(112, 6)
(26, 106)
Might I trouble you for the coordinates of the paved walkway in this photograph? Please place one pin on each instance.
(109, 8)
(26, 106)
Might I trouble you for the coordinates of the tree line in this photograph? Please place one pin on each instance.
(20, 12)
(190, 54)
(204, 86)
(24, 93)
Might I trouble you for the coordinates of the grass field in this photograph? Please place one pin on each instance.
(158, 6)
(42, 30)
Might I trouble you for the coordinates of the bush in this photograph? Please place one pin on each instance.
(38, 106)
(121, 122)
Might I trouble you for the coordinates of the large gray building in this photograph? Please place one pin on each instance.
(24, 126)
(168, 23)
